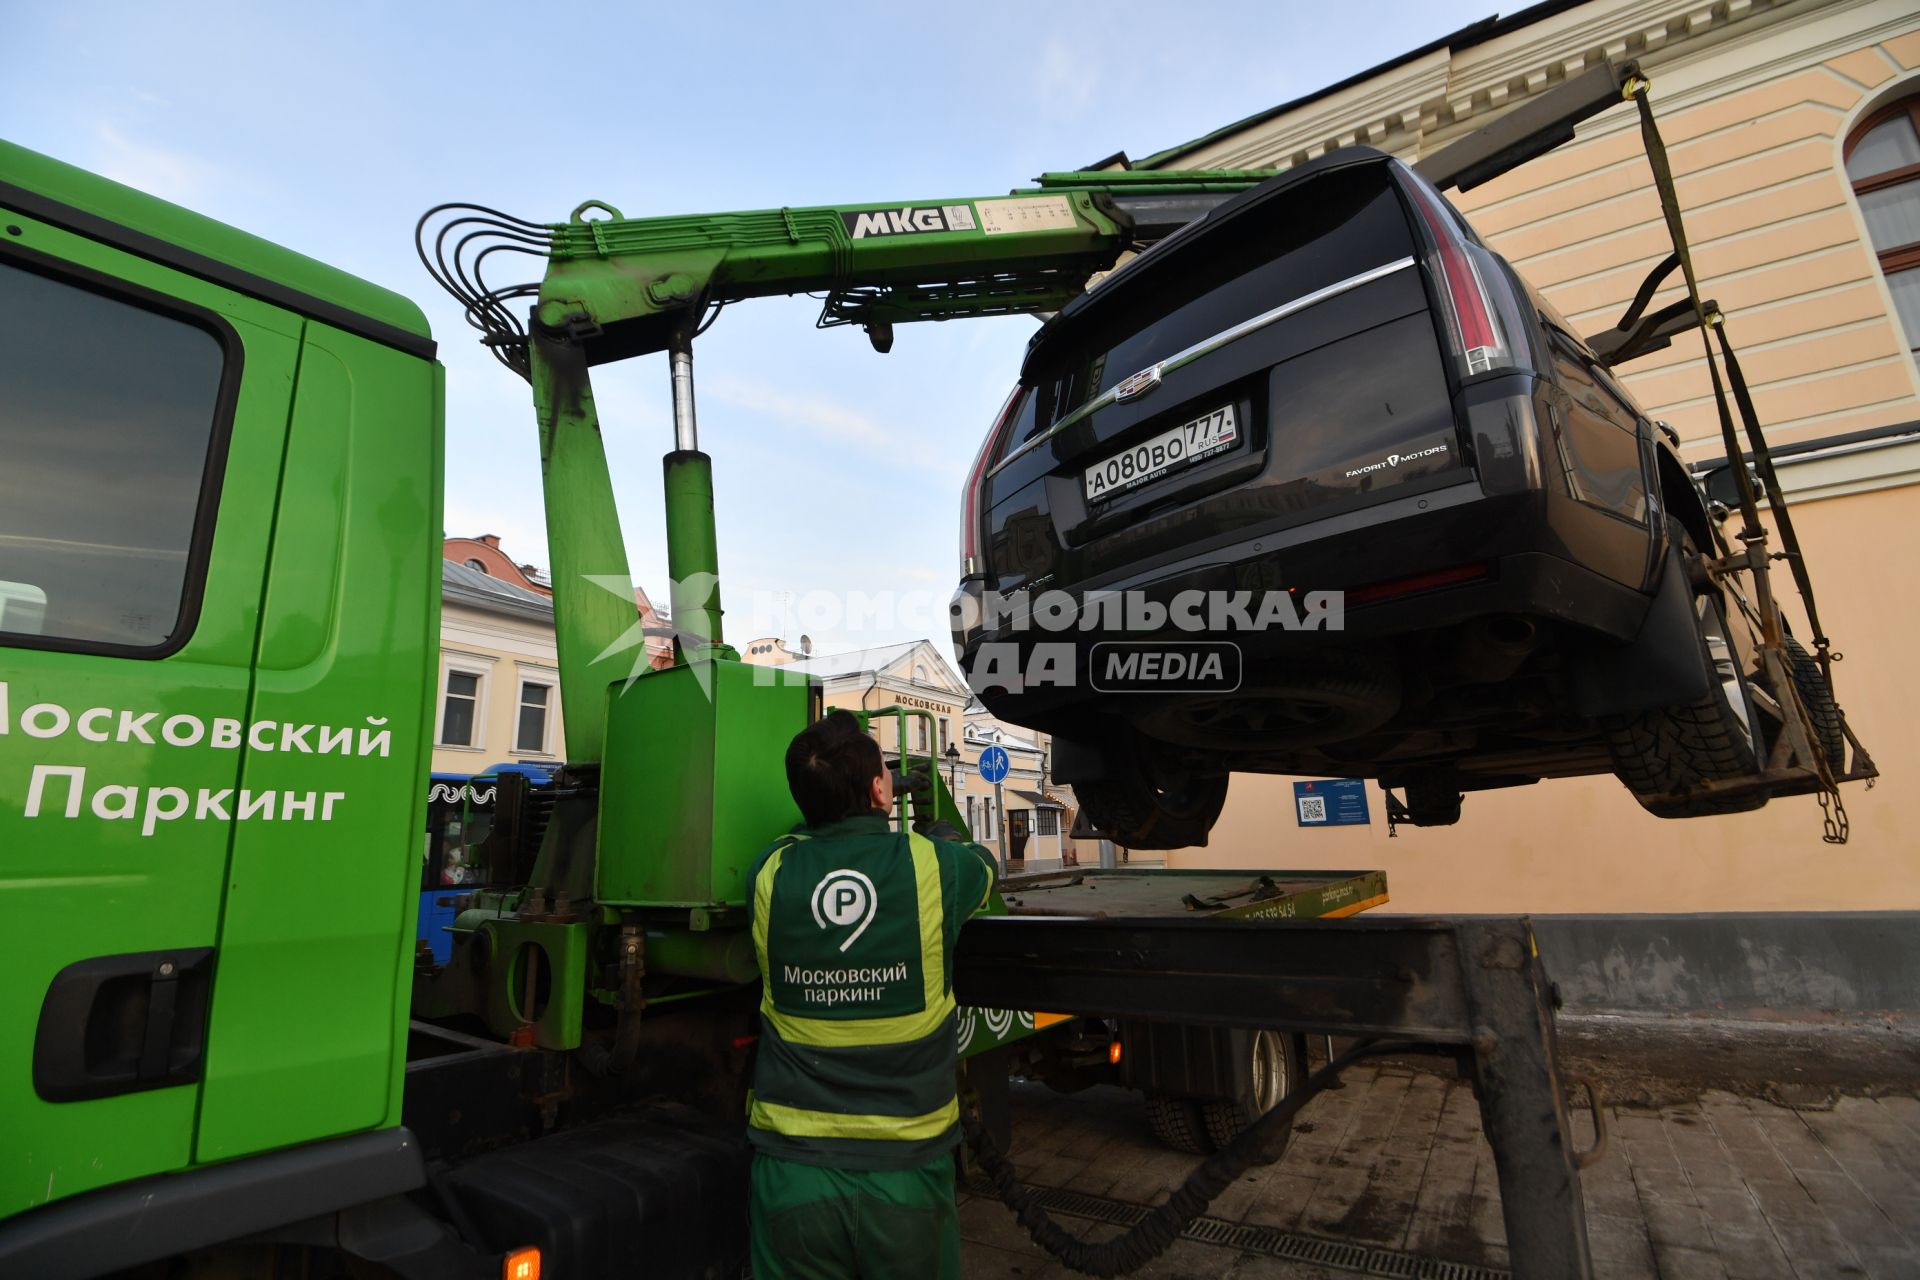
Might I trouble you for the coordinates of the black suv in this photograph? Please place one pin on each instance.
(1329, 385)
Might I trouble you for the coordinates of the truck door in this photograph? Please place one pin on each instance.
(142, 421)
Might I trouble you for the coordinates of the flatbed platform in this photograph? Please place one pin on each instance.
(1144, 893)
(1150, 893)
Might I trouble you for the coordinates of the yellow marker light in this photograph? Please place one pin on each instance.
(521, 1264)
(1113, 1053)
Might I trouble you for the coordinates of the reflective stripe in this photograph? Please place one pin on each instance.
(796, 1122)
(762, 904)
(937, 1001)
(933, 933)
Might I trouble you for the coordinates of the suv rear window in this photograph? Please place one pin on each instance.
(108, 412)
(1318, 232)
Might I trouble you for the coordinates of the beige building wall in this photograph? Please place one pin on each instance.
(504, 653)
(1754, 131)
(1754, 101)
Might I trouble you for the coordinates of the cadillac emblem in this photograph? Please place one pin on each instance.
(1137, 385)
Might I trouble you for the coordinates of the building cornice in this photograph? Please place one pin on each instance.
(1409, 107)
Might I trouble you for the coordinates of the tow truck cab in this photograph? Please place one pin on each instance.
(220, 518)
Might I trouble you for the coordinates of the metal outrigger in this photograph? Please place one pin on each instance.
(1471, 988)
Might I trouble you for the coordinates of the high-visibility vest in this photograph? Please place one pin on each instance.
(857, 1017)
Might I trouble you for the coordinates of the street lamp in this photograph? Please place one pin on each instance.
(952, 757)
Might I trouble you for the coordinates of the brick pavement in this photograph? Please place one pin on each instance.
(1721, 1186)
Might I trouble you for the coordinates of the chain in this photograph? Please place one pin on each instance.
(1833, 816)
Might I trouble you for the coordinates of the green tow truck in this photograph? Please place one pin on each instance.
(220, 522)
(222, 686)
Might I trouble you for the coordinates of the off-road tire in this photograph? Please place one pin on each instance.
(1821, 708)
(1226, 1121)
(1135, 814)
(1177, 1123)
(1666, 751)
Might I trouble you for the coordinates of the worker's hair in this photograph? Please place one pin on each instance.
(831, 766)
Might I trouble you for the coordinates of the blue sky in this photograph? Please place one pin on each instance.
(332, 128)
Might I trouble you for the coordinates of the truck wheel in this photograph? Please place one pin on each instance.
(1177, 1122)
(1134, 813)
(1274, 1068)
(1670, 750)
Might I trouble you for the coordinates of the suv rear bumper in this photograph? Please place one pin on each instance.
(1485, 555)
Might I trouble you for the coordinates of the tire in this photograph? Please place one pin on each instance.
(1177, 1123)
(1669, 751)
(1821, 708)
(1132, 812)
(1275, 1067)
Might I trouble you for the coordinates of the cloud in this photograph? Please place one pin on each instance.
(825, 416)
(171, 175)
(829, 420)
(1065, 77)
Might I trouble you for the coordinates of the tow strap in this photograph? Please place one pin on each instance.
(1636, 89)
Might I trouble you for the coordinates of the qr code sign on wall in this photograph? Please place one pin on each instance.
(1313, 809)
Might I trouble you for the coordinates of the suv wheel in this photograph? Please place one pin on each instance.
(1817, 695)
(1671, 750)
(1132, 812)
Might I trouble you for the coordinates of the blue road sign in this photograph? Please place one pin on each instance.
(994, 763)
(1331, 802)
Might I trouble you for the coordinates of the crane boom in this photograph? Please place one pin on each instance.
(617, 287)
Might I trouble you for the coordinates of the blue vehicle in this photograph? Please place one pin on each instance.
(460, 843)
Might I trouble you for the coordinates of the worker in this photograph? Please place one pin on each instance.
(853, 1115)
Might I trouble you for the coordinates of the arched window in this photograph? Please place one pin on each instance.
(475, 564)
(1883, 163)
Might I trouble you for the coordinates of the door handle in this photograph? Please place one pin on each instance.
(123, 1023)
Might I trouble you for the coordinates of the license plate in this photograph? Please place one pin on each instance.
(1164, 454)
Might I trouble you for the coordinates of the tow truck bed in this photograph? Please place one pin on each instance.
(1138, 893)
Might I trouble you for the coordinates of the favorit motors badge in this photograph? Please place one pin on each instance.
(1395, 459)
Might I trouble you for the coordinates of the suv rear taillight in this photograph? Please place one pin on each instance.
(973, 495)
(1483, 319)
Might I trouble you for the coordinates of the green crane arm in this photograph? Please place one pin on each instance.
(617, 287)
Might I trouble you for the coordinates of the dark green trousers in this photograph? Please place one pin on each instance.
(814, 1223)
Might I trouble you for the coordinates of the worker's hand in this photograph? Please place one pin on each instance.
(942, 830)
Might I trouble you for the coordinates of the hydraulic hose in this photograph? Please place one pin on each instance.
(1152, 1236)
